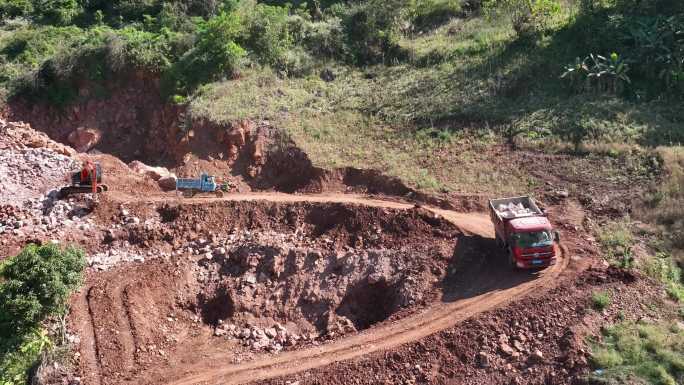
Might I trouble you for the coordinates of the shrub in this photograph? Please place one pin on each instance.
(372, 31)
(575, 132)
(133, 9)
(33, 285)
(664, 269)
(616, 240)
(267, 33)
(297, 62)
(428, 14)
(647, 33)
(19, 354)
(529, 17)
(650, 352)
(15, 8)
(57, 12)
(326, 38)
(37, 283)
(174, 17)
(598, 73)
(600, 300)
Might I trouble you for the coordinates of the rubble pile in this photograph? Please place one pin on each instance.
(272, 339)
(110, 258)
(513, 210)
(19, 135)
(46, 217)
(25, 172)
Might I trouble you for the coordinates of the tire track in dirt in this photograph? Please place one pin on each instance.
(91, 366)
(435, 318)
(121, 348)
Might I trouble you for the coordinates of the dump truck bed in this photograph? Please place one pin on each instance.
(189, 183)
(516, 207)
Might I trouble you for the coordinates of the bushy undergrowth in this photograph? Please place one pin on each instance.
(192, 43)
(600, 300)
(664, 204)
(652, 352)
(616, 239)
(34, 285)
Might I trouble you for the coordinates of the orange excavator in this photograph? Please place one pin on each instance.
(86, 180)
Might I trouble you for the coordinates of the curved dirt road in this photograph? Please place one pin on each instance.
(435, 318)
(487, 287)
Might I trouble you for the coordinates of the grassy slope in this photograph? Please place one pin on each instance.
(429, 120)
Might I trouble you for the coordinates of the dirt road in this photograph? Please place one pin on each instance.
(472, 223)
(490, 287)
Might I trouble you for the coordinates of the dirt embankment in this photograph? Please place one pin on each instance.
(132, 122)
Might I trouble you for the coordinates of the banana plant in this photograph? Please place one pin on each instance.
(598, 72)
(576, 74)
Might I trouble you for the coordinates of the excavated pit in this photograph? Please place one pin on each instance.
(366, 303)
(259, 277)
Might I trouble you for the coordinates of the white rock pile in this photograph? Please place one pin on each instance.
(271, 339)
(25, 173)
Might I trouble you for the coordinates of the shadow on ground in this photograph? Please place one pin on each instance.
(479, 266)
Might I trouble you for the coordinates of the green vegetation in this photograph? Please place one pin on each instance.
(600, 300)
(652, 352)
(434, 64)
(665, 203)
(616, 239)
(34, 285)
(664, 269)
(426, 90)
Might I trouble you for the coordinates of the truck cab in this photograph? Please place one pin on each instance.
(208, 183)
(531, 242)
(524, 230)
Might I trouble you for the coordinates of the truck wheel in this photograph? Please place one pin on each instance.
(219, 194)
(511, 260)
(188, 193)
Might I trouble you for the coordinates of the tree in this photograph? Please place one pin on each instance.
(216, 53)
(15, 8)
(268, 34)
(372, 30)
(57, 12)
(37, 283)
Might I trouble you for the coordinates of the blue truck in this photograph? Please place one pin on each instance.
(204, 184)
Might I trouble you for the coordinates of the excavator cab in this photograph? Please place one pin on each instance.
(85, 176)
(87, 180)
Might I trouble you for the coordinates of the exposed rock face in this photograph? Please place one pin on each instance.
(83, 139)
(236, 136)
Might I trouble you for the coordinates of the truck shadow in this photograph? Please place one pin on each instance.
(479, 266)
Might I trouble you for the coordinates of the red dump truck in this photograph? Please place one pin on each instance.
(523, 229)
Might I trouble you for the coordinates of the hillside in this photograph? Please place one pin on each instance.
(443, 103)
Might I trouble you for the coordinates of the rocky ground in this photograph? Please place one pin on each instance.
(171, 281)
(538, 340)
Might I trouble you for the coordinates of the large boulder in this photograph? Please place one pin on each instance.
(155, 173)
(84, 139)
(167, 183)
